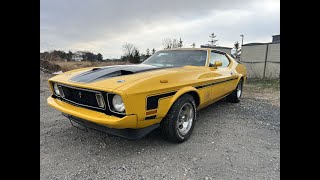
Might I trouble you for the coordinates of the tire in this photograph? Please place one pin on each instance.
(235, 96)
(178, 124)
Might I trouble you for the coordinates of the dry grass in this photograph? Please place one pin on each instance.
(265, 83)
(264, 89)
(67, 66)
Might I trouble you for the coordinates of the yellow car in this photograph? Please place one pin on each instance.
(164, 91)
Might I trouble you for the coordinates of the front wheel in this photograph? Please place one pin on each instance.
(177, 126)
(236, 94)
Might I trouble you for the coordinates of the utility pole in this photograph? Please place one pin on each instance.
(242, 39)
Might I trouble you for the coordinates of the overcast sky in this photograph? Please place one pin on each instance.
(105, 25)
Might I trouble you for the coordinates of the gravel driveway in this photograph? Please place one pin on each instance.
(229, 141)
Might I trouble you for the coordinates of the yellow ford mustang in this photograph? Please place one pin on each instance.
(164, 91)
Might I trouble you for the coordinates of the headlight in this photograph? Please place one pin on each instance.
(56, 89)
(117, 103)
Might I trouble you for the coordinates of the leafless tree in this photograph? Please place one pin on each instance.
(193, 45)
(170, 43)
(48, 56)
(128, 49)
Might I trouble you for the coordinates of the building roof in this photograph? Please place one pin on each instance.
(275, 40)
(174, 49)
(213, 47)
(254, 44)
(192, 49)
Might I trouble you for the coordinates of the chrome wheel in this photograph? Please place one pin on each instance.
(239, 89)
(185, 118)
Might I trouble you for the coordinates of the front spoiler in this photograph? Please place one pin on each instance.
(125, 133)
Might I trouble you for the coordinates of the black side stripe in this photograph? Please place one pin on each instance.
(152, 101)
(150, 117)
(212, 84)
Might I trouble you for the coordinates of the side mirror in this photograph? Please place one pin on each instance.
(216, 64)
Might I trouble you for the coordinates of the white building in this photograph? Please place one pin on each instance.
(77, 56)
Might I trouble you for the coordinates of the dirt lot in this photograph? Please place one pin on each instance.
(229, 141)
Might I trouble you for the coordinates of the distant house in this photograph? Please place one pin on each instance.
(220, 48)
(78, 56)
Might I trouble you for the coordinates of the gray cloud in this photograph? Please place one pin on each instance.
(103, 26)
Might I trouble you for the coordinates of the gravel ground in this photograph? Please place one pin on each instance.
(229, 141)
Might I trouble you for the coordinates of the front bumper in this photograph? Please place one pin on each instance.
(125, 133)
(129, 121)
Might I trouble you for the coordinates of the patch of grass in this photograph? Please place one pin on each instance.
(265, 83)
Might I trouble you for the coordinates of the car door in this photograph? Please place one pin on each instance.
(222, 83)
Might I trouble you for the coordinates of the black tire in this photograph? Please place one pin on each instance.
(170, 128)
(234, 97)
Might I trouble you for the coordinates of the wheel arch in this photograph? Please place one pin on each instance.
(243, 78)
(186, 90)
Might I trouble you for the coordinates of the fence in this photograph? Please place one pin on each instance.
(262, 60)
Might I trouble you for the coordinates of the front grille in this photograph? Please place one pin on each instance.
(82, 97)
(87, 100)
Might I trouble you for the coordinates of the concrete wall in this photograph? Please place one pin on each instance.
(254, 57)
(273, 61)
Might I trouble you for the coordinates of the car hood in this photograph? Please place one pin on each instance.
(109, 77)
(101, 73)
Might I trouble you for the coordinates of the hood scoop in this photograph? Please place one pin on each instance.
(102, 73)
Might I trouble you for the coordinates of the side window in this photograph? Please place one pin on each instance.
(219, 57)
(225, 61)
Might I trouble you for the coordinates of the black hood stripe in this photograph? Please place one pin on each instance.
(97, 74)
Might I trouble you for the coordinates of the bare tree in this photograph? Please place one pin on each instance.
(170, 43)
(128, 49)
(167, 43)
(49, 56)
(193, 45)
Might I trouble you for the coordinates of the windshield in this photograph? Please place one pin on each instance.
(178, 58)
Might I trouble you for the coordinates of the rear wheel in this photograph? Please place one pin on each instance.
(177, 126)
(236, 94)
